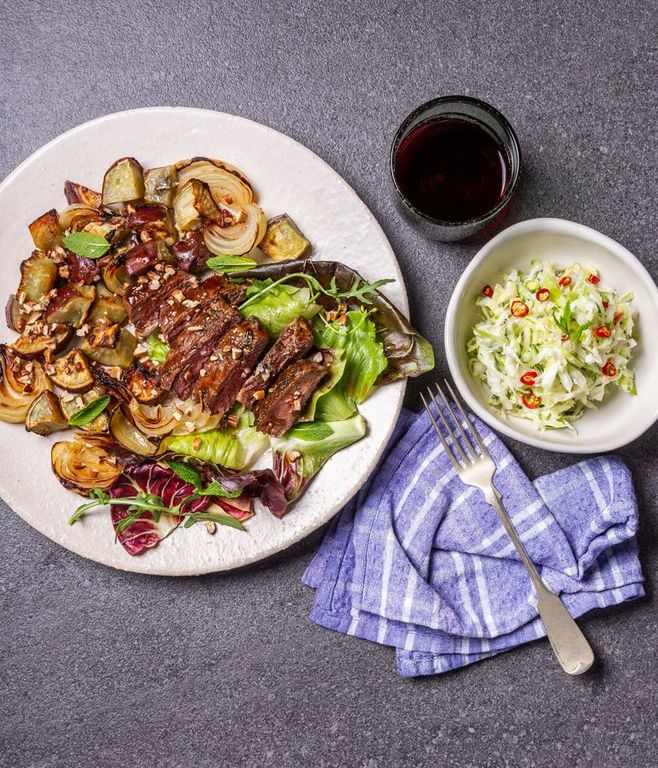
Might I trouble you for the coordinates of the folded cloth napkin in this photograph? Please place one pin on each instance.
(419, 561)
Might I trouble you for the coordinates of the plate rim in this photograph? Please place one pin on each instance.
(13, 502)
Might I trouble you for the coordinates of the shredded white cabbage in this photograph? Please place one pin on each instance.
(560, 346)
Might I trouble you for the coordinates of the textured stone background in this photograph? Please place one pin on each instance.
(102, 668)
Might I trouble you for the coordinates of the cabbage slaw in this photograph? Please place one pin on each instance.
(551, 341)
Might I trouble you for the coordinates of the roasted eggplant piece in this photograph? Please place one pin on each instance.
(282, 240)
(21, 381)
(46, 232)
(45, 416)
(129, 436)
(121, 354)
(71, 404)
(123, 182)
(40, 338)
(115, 277)
(146, 214)
(13, 315)
(77, 193)
(107, 305)
(143, 384)
(85, 463)
(159, 185)
(193, 204)
(71, 304)
(38, 277)
(71, 372)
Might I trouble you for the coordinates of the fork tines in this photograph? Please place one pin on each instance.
(464, 452)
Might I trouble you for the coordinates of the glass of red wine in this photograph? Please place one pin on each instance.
(455, 162)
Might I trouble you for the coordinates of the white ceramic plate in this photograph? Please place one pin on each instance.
(288, 178)
(621, 417)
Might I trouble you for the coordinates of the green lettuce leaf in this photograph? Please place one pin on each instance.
(407, 352)
(360, 359)
(234, 448)
(297, 459)
(278, 306)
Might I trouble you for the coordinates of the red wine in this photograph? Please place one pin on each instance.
(452, 168)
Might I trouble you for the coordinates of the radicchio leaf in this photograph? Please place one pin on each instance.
(145, 533)
(258, 484)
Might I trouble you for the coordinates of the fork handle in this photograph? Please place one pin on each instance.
(569, 644)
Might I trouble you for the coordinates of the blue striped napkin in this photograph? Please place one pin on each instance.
(419, 561)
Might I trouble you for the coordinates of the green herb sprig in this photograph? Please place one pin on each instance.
(87, 244)
(90, 411)
(225, 263)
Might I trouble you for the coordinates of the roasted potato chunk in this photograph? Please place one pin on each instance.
(123, 182)
(45, 415)
(109, 306)
(71, 404)
(121, 354)
(40, 338)
(283, 241)
(46, 232)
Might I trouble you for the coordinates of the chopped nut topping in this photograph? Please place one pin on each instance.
(296, 405)
(178, 295)
(190, 303)
(64, 271)
(232, 420)
(196, 444)
(211, 527)
(202, 372)
(236, 353)
(259, 394)
(195, 328)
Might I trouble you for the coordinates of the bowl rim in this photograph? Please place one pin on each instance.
(450, 344)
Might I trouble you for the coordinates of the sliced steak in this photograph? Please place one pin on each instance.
(293, 343)
(149, 293)
(229, 365)
(288, 397)
(196, 342)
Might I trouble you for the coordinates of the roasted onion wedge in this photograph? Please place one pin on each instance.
(239, 238)
(77, 215)
(227, 185)
(85, 463)
(127, 434)
(21, 382)
(152, 420)
(45, 416)
(71, 372)
(115, 277)
(194, 204)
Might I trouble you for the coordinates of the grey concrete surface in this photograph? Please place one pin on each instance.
(102, 668)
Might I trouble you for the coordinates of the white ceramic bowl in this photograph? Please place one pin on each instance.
(621, 417)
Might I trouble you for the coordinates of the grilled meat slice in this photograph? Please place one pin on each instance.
(192, 305)
(226, 369)
(196, 341)
(149, 293)
(293, 343)
(288, 397)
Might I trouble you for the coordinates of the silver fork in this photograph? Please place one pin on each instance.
(474, 465)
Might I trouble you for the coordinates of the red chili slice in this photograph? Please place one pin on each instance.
(603, 332)
(609, 369)
(530, 401)
(564, 281)
(528, 378)
(617, 317)
(518, 308)
(487, 291)
(543, 294)
(594, 279)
